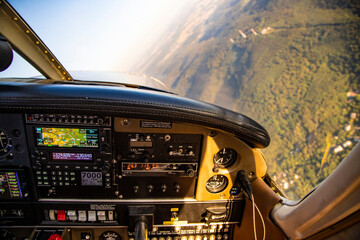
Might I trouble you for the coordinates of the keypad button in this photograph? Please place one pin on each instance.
(72, 179)
(72, 173)
(66, 173)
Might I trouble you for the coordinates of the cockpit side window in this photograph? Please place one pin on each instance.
(20, 68)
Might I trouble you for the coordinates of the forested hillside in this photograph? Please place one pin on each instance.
(293, 66)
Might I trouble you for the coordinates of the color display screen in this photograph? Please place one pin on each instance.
(145, 166)
(9, 185)
(91, 178)
(72, 156)
(67, 137)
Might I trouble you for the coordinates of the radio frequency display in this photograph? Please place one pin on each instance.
(72, 156)
(67, 137)
(145, 166)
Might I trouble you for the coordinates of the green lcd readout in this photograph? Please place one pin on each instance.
(67, 137)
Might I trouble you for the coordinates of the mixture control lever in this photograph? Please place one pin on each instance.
(141, 227)
(141, 219)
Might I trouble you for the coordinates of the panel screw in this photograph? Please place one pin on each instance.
(251, 174)
(126, 122)
(167, 137)
(213, 134)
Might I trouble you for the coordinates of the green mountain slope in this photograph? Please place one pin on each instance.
(291, 73)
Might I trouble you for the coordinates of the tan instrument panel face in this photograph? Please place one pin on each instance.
(250, 160)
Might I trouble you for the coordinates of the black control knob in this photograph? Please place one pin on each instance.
(163, 187)
(105, 168)
(190, 172)
(150, 188)
(10, 156)
(175, 215)
(104, 148)
(145, 157)
(136, 188)
(100, 121)
(37, 154)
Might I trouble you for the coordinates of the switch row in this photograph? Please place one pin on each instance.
(68, 119)
(80, 215)
(150, 188)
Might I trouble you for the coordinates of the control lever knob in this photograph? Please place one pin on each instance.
(55, 237)
(141, 229)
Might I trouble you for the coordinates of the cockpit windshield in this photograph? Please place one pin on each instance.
(293, 66)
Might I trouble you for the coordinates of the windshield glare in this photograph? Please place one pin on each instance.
(293, 66)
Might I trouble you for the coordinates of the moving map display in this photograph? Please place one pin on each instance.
(67, 137)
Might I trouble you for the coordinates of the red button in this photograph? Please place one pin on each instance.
(61, 215)
(55, 237)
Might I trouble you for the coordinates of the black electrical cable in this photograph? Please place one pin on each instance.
(245, 184)
(246, 187)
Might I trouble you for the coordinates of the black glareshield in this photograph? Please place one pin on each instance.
(6, 54)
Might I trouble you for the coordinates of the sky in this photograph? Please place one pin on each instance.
(88, 35)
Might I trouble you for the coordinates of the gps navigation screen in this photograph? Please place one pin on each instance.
(67, 137)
